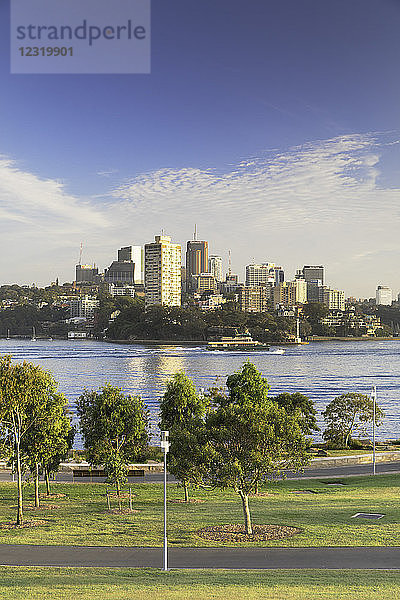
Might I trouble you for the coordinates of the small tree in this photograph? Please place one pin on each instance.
(249, 437)
(182, 410)
(347, 413)
(48, 440)
(302, 407)
(114, 428)
(25, 390)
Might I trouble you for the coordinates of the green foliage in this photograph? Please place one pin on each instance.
(249, 437)
(114, 428)
(182, 410)
(302, 408)
(27, 393)
(346, 414)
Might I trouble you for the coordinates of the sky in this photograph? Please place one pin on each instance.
(272, 125)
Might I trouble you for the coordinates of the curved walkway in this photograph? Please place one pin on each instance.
(203, 558)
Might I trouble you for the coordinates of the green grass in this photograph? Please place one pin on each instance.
(323, 516)
(23, 583)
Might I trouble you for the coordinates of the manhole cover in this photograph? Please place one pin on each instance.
(362, 515)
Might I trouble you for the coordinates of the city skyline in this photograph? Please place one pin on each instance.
(276, 130)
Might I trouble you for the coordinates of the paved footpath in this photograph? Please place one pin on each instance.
(203, 558)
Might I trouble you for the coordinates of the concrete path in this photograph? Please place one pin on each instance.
(203, 558)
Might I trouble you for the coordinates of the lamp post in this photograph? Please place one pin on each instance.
(373, 428)
(165, 447)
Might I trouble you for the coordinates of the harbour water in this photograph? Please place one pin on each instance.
(320, 370)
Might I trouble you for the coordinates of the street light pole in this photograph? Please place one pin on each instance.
(373, 428)
(165, 447)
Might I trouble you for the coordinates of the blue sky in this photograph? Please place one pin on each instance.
(272, 125)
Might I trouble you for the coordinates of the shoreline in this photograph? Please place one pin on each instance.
(204, 343)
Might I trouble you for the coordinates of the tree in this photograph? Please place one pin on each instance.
(182, 410)
(249, 437)
(347, 413)
(114, 428)
(48, 440)
(25, 391)
(298, 405)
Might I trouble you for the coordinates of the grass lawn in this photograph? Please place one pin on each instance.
(23, 583)
(324, 516)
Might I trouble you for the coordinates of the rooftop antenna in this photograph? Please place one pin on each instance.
(195, 233)
(80, 254)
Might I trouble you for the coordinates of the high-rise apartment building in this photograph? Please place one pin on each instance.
(84, 307)
(162, 272)
(384, 295)
(215, 267)
(254, 298)
(196, 258)
(290, 293)
(264, 273)
(333, 299)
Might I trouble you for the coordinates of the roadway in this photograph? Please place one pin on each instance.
(202, 558)
(309, 473)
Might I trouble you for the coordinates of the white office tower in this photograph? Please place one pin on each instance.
(384, 295)
(138, 259)
(162, 272)
(215, 267)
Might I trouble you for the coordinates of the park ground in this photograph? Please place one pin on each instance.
(320, 508)
(33, 583)
(322, 511)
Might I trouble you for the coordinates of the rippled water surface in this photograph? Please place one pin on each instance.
(319, 370)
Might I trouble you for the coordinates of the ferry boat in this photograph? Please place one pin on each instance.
(241, 341)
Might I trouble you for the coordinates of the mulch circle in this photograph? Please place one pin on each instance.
(236, 533)
(42, 507)
(26, 524)
(51, 496)
(123, 495)
(122, 511)
(191, 501)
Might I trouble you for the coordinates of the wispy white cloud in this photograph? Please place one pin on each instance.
(321, 201)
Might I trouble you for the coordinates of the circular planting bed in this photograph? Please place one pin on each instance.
(190, 501)
(42, 507)
(13, 525)
(236, 533)
(51, 496)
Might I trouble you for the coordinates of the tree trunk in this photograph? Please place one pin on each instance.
(186, 491)
(37, 502)
(118, 488)
(246, 513)
(46, 474)
(349, 431)
(20, 516)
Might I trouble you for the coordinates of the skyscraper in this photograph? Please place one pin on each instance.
(215, 267)
(313, 273)
(162, 272)
(196, 258)
(134, 254)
